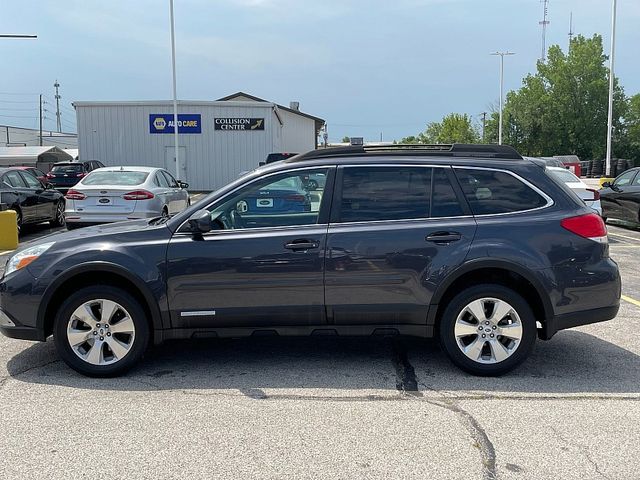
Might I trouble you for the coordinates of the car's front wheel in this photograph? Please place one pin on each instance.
(488, 330)
(101, 331)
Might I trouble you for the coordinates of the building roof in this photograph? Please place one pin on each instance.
(319, 121)
(30, 155)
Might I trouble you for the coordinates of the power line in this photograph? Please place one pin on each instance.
(4, 109)
(18, 101)
(18, 94)
(17, 116)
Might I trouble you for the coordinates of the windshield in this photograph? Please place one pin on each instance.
(115, 178)
(67, 168)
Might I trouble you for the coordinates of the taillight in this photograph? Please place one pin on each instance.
(75, 195)
(138, 195)
(295, 198)
(49, 175)
(80, 175)
(596, 194)
(589, 226)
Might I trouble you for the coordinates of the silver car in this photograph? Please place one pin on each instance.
(114, 194)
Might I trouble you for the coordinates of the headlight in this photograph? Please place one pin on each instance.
(26, 256)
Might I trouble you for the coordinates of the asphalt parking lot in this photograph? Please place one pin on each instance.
(339, 408)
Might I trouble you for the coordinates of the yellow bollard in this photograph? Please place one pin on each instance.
(8, 230)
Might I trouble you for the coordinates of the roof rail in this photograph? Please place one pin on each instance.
(453, 150)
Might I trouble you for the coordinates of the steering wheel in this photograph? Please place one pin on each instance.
(236, 219)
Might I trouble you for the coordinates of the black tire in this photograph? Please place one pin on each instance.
(312, 185)
(459, 303)
(58, 219)
(136, 313)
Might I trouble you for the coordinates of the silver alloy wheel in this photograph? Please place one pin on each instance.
(101, 332)
(488, 330)
(60, 213)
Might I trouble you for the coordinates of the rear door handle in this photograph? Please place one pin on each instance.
(301, 245)
(443, 237)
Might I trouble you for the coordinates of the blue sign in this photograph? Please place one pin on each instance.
(163, 123)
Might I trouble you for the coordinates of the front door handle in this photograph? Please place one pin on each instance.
(443, 237)
(301, 245)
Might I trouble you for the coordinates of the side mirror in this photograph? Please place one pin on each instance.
(261, 164)
(200, 221)
(48, 186)
(182, 184)
(606, 185)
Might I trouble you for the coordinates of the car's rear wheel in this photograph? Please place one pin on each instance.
(488, 330)
(59, 219)
(101, 331)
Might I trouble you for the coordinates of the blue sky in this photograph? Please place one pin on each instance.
(365, 66)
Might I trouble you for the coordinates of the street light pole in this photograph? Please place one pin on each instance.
(502, 55)
(175, 97)
(611, 85)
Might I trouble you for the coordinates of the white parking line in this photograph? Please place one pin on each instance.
(6, 251)
(637, 239)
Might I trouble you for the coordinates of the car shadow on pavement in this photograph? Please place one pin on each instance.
(572, 363)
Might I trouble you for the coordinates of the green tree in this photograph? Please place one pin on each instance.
(454, 128)
(627, 139)
(562, 108)
(346, 139)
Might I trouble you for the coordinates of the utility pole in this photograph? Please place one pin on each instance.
(502, 55)
(175, 95)
(611, 85)
(40, 119)
(544, 24)
(484, 126)
(58, 97)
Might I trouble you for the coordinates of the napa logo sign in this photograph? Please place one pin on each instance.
(163, 123)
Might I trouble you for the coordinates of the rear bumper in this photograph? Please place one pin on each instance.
(96, 219)
(576, 319)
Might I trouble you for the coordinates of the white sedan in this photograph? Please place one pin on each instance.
(589, 196)
(114, 194)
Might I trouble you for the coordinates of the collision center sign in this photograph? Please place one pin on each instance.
(163, 123)
(238, 124)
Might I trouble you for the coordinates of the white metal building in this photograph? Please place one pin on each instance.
(31, 137)
(218, 139)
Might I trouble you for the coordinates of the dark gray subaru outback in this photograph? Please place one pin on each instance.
(470, 243)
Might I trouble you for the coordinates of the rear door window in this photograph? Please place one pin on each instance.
(14, 179)
(385, 193)
(492, 192)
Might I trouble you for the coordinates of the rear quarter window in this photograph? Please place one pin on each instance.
(491, 192)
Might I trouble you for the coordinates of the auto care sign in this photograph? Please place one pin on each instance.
(238, 124)
(163, 123)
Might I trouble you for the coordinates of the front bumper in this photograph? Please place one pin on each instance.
(19, 308)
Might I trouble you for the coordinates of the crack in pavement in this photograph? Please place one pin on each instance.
(407, 384)
(583, 449)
